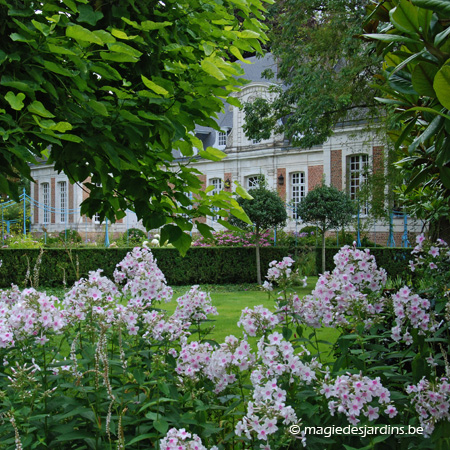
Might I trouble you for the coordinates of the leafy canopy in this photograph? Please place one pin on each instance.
(326, 207)
(265, 209)
(413, 38)
(326, 71)
(112, 88)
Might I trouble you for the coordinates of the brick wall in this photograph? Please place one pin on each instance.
(336, 169)
(36, 199)
(315, 174)
(378, 156)
(281, 189)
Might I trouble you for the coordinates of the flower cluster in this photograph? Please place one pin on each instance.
(161, 329)
(29, 314)
(269, 400)
(432, 402)
(280, 273)
(96, 296)
(358, 268)
(194, 358)
(345, 293)
(144, 281)
(232, 353)
(194, 306)
(182, 440)
(411, 309)
(278, 358)
(258, 320)
(227, 239)
(356, 394)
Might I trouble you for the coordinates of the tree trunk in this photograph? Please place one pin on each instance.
(258, 260)
(323, 251)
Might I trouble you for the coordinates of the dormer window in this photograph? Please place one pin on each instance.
(222, 138)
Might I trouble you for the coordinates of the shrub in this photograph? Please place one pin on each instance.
(393, 260)
(69, 236)
(209, 265)
(133, 236)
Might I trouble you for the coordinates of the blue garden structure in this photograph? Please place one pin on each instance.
(28, 204)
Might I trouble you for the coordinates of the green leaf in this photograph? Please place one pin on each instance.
(62, 127)
(441, 37)
(442, 6)
(391, 38)
(405, 17)
(445, 176)
(88, 15)
(205, 230)
(80, 33)
(15, 101)
(39, 109)
(120, 34)
(98, 107)
(121, 47)
(211, 69)
(148, 25)
(212, 154)
(106, 71)
(242, 192)
(154, 87)
(60, 50)
(423, 77)
(161, 425)
(56, 68)
(118, 57)
(236, 52)
(442, 86)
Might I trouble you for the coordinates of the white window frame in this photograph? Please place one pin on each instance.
(222, 138)
(46, 202)
(253, 181)
(62, 188)
(218, 186)
(357, 176)
(297, 190)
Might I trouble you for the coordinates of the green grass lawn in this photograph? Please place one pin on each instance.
(231, 300)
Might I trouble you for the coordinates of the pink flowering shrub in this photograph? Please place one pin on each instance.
(256, 321)
(431, 401)
(234, 239)
(347, 295)
(411, 311)
(182, 440)
(357, 396)
(108, 368)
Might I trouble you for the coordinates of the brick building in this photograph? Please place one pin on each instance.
(342, 161)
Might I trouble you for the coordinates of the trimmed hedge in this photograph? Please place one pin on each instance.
(393, 260)
(202, 265)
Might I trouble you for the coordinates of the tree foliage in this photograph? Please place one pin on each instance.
(327, 208)
(265, 210)
(326, 71)
(413, 38)
(113, 88)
